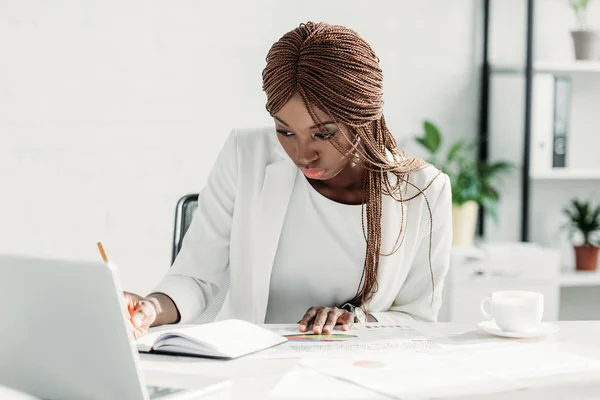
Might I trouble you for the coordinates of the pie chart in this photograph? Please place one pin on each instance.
(312, 337)
(369, 364)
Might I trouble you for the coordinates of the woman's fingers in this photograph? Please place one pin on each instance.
(132, 303)
(320, 319)
(324, 319)
(346, 319)
(144, 314)
(332, 319)
(135, 331)
(307, 319)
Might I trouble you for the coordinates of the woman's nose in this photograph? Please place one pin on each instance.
(305, 154)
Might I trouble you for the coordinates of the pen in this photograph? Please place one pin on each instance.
(102, 252)
(138, 317)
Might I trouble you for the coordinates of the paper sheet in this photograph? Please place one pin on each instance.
(367, 338)
(417, 375)
(369, 330)
(525, 361)
(300, 384)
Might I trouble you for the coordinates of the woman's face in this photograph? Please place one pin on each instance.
(307, 145)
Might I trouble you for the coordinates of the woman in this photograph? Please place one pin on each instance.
(320, 220)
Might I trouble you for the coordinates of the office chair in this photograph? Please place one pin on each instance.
(184, 213)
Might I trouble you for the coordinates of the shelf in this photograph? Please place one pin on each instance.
(565, 67)
(565, 174)
(572, 278)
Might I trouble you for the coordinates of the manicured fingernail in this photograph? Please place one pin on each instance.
(326, 327)
(302, 327)
(318, 329)
(345, 326)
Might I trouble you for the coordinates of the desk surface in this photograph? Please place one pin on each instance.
(254, 378)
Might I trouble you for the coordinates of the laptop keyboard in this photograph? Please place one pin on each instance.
(157, 392)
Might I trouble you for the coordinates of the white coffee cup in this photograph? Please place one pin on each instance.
(514, 311)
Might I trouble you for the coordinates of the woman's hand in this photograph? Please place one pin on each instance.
(142, 313)
(324, 319)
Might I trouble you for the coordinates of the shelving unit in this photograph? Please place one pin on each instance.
(557, 68)
(531, 172)
(518, 134)
(566, 174)
(572, 278)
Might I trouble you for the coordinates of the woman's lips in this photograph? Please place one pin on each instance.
(313, 173)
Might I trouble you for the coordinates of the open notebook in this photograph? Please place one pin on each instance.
(223, 339)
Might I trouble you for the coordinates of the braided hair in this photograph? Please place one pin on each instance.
(333, 69)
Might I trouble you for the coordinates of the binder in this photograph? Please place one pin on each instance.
(562, 112)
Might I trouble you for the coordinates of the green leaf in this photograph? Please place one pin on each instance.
(491, 171)
(490, 192)
(501, 167)
(466, 186)
(583, 217)
(470, 180)
(579, 4)
(455, 150)
(491, 207)
(423, 142)
(569, 213)
(433, 138)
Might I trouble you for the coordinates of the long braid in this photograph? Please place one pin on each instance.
(335, 70)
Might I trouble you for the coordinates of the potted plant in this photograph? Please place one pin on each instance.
(586, 42)
(585, 220)
(473, 182)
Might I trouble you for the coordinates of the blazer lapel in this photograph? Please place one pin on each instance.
(280, 177)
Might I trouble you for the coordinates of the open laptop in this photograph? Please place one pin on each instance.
(63, 334)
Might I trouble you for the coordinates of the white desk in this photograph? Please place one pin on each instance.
(254, 379)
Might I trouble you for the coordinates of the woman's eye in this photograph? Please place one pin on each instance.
(325, 136)
(284, 133)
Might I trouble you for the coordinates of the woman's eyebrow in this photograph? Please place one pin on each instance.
(280, 120)
(312, 127)
(322, 124)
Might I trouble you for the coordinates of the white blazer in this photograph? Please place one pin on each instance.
(239, 219)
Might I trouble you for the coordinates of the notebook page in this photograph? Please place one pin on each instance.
(231, 338)
(146, 342)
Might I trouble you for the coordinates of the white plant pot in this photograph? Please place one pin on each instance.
(464, 223)
(586, 44)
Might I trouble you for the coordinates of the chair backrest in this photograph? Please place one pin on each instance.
(184, 213)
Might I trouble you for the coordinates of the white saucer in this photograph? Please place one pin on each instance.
(544, 329)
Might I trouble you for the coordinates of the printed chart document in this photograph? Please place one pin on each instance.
(223, 339)
(367, 338)
(418, 375)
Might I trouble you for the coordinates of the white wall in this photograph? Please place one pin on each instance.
(111, 110)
